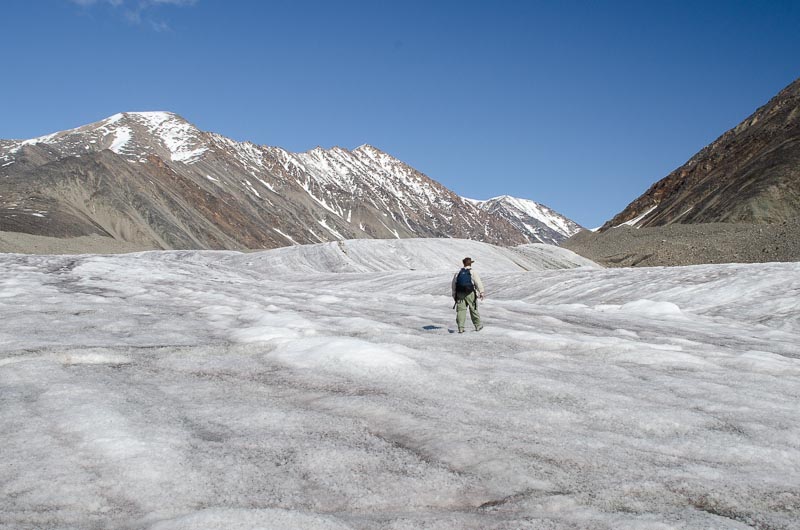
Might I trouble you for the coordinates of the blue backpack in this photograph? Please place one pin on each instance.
(464, 282)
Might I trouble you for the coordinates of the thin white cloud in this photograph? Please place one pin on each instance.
(137, 11)
(141, 4)
(87, 3)
(171, 2)
(159, 26)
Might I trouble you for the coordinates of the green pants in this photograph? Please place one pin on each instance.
(462, 304)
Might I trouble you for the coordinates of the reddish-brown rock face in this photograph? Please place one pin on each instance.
(751, 174)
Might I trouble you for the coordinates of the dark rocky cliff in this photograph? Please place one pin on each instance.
(751, 174)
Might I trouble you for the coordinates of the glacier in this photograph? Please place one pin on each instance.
(322, 387)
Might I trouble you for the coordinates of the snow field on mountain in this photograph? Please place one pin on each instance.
(174, 390)
(540, 212)
(121, 138)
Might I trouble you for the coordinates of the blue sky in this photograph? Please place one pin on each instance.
(578, 105)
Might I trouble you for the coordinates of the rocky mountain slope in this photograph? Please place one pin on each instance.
(537, 222)
(750, 174)
(153, 180)
(737, 200)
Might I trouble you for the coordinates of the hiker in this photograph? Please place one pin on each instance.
(466, 288)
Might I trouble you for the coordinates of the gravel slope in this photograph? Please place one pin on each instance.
(19, 243)
(690, 244)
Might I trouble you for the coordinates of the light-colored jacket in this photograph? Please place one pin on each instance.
(476, 281)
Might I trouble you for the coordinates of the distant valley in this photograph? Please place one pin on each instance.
(152, 180)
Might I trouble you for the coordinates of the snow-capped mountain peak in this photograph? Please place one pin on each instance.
(538, 222)
(154, 178)
(184, 142)
(134, 135)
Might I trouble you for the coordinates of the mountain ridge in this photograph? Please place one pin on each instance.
(153, 178)
(537, 221)
(749, 174)
(737, 200)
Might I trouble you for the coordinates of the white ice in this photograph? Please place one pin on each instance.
(121, 138)
(634, 222)
(322, 387)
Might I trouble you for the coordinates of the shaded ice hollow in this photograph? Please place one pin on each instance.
(322, 387)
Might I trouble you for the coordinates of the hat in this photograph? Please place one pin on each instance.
(467, 261)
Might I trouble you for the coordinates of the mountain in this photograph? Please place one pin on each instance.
(154, 180)
(537, 222)
(736, 201)
(750, 174)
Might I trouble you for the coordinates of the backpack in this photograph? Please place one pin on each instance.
(464, 284)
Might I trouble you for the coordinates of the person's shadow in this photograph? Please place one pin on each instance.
(431, 327)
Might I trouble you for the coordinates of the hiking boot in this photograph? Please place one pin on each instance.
(479, 328)
(461, 331)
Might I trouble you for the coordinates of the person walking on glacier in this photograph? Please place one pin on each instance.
(466, 288)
